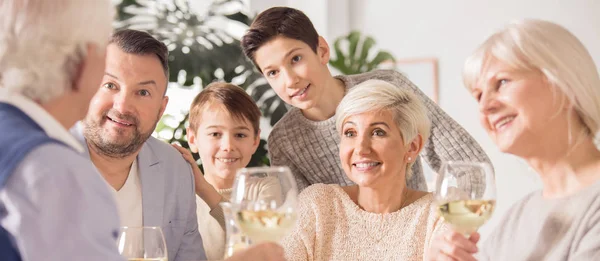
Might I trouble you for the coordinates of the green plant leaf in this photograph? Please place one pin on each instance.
(367, 44)
(352, 62)
(240, 17)
(341, 61)
(381, 57)
(353, 39)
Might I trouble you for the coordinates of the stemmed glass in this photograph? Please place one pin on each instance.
(235, 240)
(465, 195)
(263, 200)
(142, 244)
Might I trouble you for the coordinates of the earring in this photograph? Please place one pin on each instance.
(597, 140)
(409, 159)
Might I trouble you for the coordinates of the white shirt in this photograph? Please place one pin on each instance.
(129, 199)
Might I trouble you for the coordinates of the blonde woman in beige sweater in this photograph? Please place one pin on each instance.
(382, 130)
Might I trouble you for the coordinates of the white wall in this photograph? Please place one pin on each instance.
(450, 31)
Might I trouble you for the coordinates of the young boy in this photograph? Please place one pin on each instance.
(287, 50)
(224, 130)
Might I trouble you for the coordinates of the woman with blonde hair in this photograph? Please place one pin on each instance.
(538, 91)
(382, 129)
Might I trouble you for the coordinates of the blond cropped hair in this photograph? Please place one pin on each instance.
(409, 112)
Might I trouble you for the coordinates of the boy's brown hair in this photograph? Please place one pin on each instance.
(233, 98)
(279, 21)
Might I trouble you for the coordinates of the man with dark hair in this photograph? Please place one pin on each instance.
(152, 183)
(287, 50)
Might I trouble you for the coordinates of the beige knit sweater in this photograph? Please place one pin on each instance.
(213, 236)
(332, 227)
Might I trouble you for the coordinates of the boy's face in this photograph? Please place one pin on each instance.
(296, 73)
(225, 144)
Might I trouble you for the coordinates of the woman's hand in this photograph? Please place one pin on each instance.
(453, 246)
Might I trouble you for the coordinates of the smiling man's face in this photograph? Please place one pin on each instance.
(128, 105)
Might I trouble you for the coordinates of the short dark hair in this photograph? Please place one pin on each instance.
(142, 43)
(279, 21)
(235, 100)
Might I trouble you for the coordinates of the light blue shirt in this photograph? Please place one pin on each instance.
(58, 206)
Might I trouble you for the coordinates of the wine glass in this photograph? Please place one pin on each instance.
(235, 240)
(264, 202)
(465, 195)
(142, 244)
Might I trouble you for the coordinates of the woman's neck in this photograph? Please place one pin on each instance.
(383, 199)
(568, 169)
(333, 92)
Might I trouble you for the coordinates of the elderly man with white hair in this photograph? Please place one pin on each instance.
(53, 204)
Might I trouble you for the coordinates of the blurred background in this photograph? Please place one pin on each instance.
(433, 36)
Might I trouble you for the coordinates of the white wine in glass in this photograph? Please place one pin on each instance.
(235, 240)
(264, 202)
(142, 244)
(466, 195)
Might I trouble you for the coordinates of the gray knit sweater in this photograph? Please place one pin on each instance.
(311, 148)
(549, 229)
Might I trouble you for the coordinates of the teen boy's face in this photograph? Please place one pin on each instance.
(225, 144)
(294, 70)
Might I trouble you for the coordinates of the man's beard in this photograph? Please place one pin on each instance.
(101, 142)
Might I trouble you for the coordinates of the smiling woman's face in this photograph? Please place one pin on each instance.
(372, 150)
(518, 108)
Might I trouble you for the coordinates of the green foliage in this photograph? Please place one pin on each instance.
(360, 55)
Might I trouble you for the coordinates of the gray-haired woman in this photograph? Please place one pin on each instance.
(538, 91)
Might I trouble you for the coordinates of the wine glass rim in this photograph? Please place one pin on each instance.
(442, 201)
(261, 169)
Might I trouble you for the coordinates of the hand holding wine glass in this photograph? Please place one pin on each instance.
(465, 196)
(264, 202)
(451, 245)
